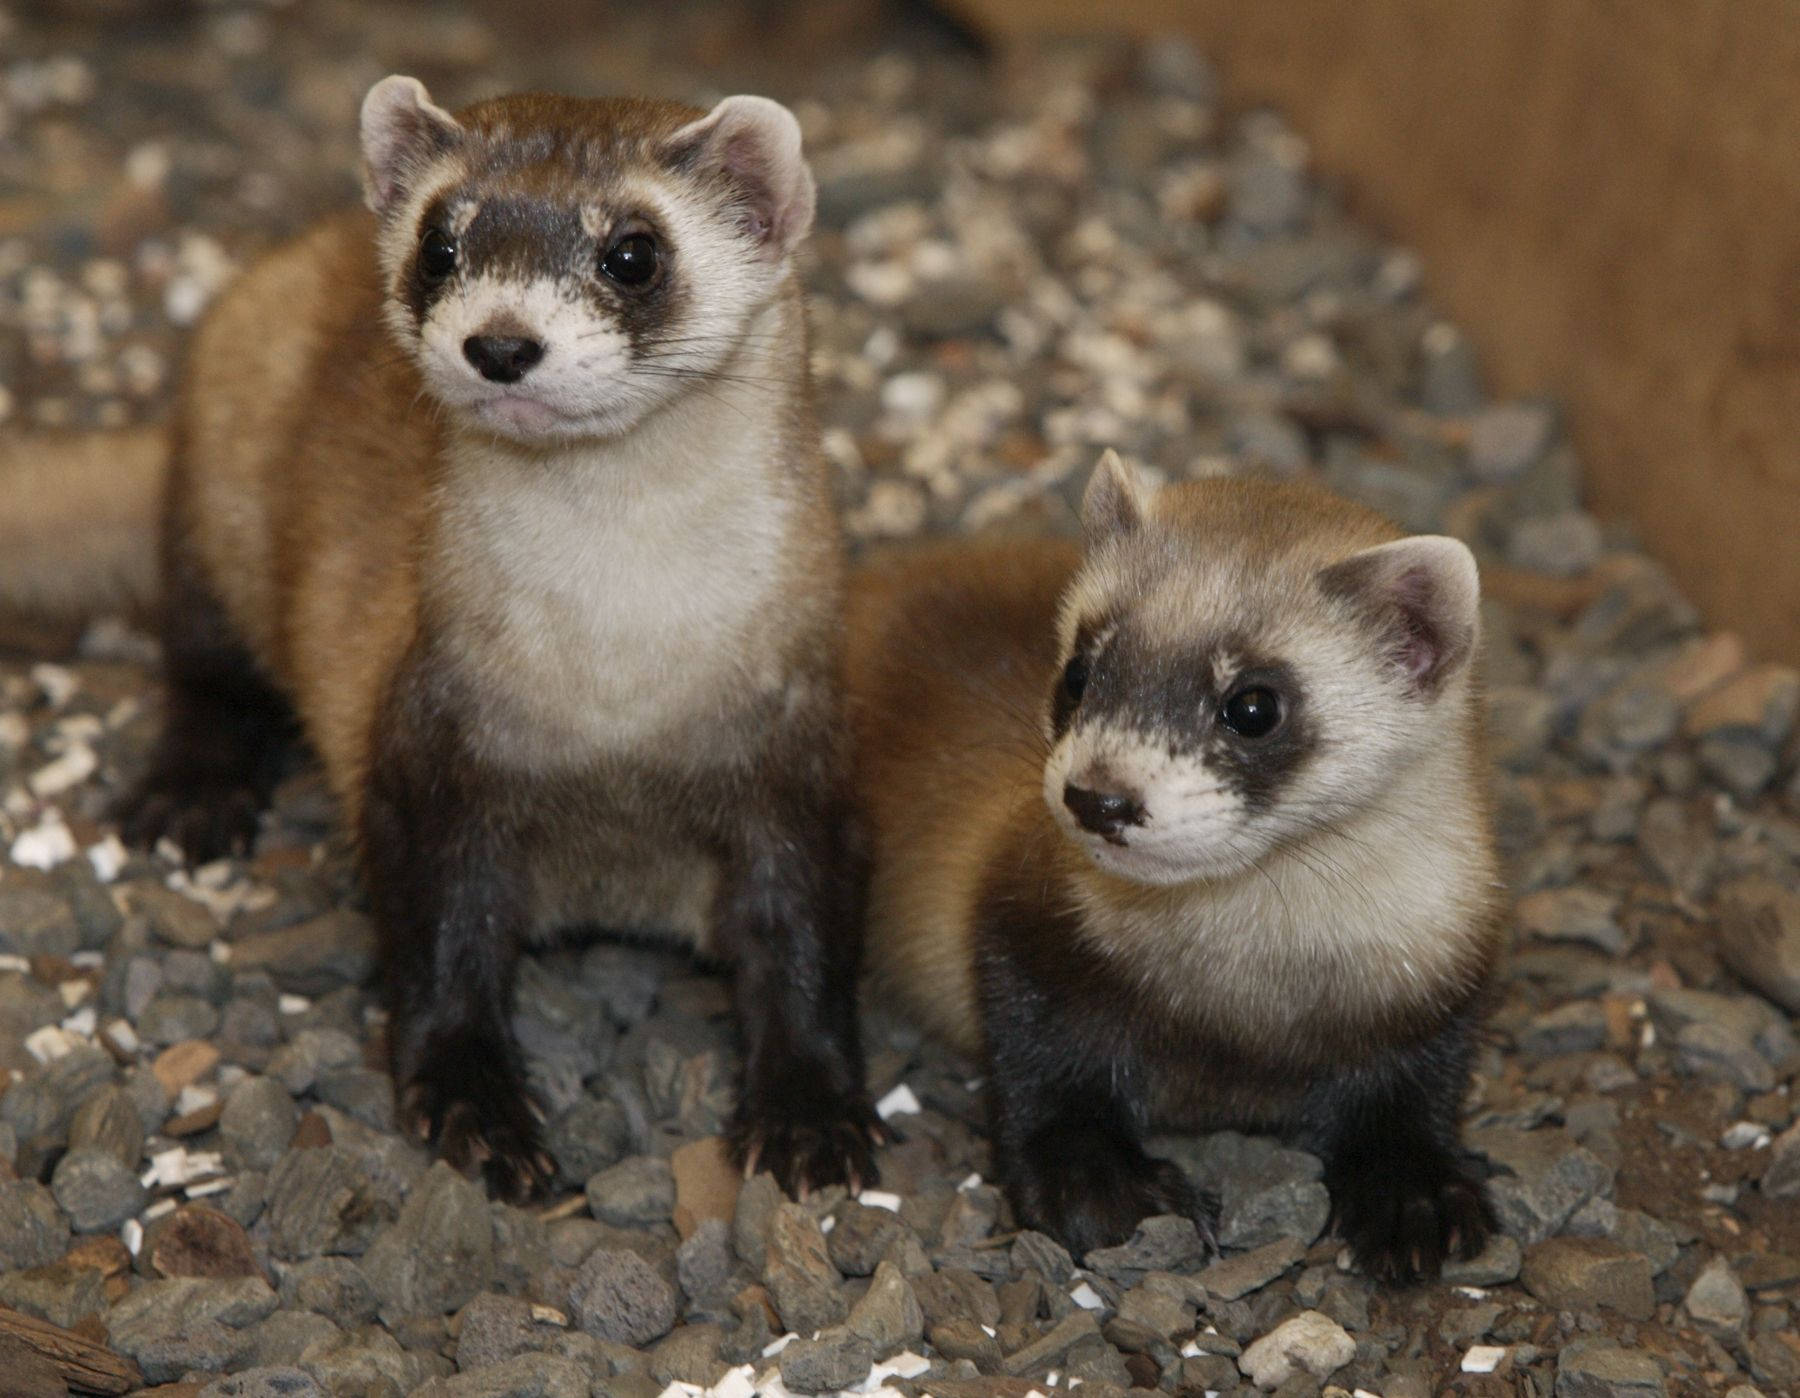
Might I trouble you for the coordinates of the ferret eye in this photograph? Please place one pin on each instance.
(437, 255)
(631, 261)
(1251, 713)
(1075, 678)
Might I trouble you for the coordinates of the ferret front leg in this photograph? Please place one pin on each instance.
(789, 925)
(1066, 1127)
(1402, 1196)
(445, 871)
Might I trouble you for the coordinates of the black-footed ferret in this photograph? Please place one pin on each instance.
(510, 492)
(1190, 828)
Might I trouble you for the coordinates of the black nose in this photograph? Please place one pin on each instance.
(502, 358)
(1104, 812)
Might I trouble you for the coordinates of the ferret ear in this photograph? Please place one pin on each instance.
(1116, 501)
(402, 129)
(755, 144)
(1423, 596)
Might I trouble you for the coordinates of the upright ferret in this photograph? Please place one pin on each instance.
(510, 492)
(1190, 827)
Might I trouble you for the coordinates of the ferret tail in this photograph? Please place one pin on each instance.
(79, 518)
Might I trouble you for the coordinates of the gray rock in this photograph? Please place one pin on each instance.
(438, 1254)
(1521, 723)
(108, 1121)
(1547, 1178)
(173, 1018)
(1167, 1243)
(61, 1293)
(1717, 1051)
(1780, 1176)
(275, 1381)
(1032, 1251)
(1606, 1372)
(521, 1248)
(888, 1314)
(1573, 915)
(1251, 1271)
(368, 1361)
(689, 1354)
(494, 1328)
(1577, 1027)
(1759, 937)
(1586, 1273)
(257, 1123)
(40, 1105)
(176, 920)
(33, 1232)
(704, 1261)
(635, 1193)
(526, 1376)
(835, 1360)
(758, 1198)
(1717, 1301)
(326, 1200)
(96, 1190)
(286, 1336)
(1158, 1310)
(861, 1238)
(313, 957)
(618, 1296)
(35, 922)
(1678, 846)
(298, 1063)
(1496, 1264)
(586, 1138)
(1562, 545)
(1308, 1343)
(367, 1094)
(183, 1323)
(1506, 439)
(1252, 1215)
(804, 1286)
(1741, 763)
(334, 1287)
(1053, 1348)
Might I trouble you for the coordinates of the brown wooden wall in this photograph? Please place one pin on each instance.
(1607, 196)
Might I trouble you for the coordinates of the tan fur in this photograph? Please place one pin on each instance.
(1384, 914)
(78, 523)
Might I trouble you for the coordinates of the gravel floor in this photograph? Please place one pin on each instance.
(1071, 247)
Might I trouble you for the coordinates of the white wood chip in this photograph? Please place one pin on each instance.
(82, 1023)
(1087, 1298)
(899, 1099)
(779, 1343)
(15, 732)
(159, 1209)
(73, 993)
(124, 1036)
(879, 1199)
(45, 845)
(57, 683)
(88, 960)
(194, 1098)
(107, 858)
(293, 1004)
(9, 961)
(1483, 1359)
(132, 1235)
(200, 1191)
(49, 1043)
(549, 1315)
(70, 770)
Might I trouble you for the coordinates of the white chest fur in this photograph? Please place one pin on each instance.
(607, 596)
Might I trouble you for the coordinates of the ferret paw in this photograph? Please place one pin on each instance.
(1095, 1195)
(808, 1143)
(1402, 1225)
(480, 1123)
(208, 819)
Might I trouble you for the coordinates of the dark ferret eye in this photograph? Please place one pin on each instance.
(1251, 713)
(437, 255)
(631, 261)
(1075, 678)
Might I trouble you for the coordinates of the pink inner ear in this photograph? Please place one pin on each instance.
(1420, 644)
(745, 165)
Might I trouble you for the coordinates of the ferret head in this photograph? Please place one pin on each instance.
(1245, 664)
(559, 268)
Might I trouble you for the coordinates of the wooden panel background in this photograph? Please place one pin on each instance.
(1607, 196)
